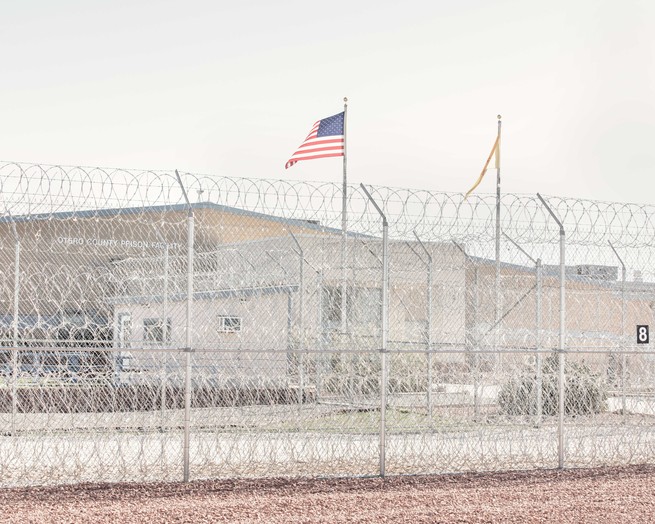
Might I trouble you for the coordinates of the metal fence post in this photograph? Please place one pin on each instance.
(624, 362)
(301, 327)
(538, 343)
(428, 338)
(561, 381)
(385, 332)
(562, 342)
(476, 356)
(14, 338)
(189, 335)
(165, 333)
(164, 329)
(189, 346)
(475, 337)
(321, 365)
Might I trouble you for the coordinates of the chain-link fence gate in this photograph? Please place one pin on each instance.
(157, 326)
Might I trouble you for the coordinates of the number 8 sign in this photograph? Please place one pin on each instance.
(642, 334)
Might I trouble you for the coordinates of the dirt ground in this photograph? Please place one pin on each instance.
(625, 494)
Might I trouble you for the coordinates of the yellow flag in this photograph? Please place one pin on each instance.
(496, 150)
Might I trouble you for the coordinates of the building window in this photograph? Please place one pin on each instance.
(155, 330)
(74, 318)
(366, 305)
(229, 324)
(124, 331)
(332, 305)
(363, 305)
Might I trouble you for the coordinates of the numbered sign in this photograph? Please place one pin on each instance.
(642, 334)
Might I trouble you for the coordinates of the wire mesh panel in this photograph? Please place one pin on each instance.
(156, 326)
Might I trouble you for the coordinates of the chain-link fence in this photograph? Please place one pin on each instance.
(156, 326)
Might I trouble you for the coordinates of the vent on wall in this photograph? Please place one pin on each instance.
(229, 324)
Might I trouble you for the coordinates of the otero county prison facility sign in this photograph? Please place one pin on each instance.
(110, 242)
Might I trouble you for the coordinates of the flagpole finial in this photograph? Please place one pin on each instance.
(499, 117)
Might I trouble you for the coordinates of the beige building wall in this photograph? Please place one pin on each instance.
(257, 351)
(597, 318)
(68, 262)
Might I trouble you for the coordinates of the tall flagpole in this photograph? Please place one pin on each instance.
(497, 281)
(344, 210)
(344, 219)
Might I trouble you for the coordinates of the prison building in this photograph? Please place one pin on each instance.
(61, 273)
(266, 288)
(259, 302)
(262, 286)
(602, 312)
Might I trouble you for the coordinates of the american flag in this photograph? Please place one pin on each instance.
(324, 140)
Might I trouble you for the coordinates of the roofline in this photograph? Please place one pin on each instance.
(112, 212)
(552, 270)
(244, 292)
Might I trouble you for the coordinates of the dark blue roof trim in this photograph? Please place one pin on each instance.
(112, 212)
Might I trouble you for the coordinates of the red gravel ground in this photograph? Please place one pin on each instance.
(625, 494)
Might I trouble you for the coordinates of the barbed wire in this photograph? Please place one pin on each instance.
(29, 189)
(104, 274)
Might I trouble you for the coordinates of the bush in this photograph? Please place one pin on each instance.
(360, 374)
(583, 392)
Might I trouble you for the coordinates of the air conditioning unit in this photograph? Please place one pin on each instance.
(597, 272)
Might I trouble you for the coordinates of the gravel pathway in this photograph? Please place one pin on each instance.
(624, 494)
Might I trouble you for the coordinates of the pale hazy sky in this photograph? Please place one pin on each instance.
(232, 88)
